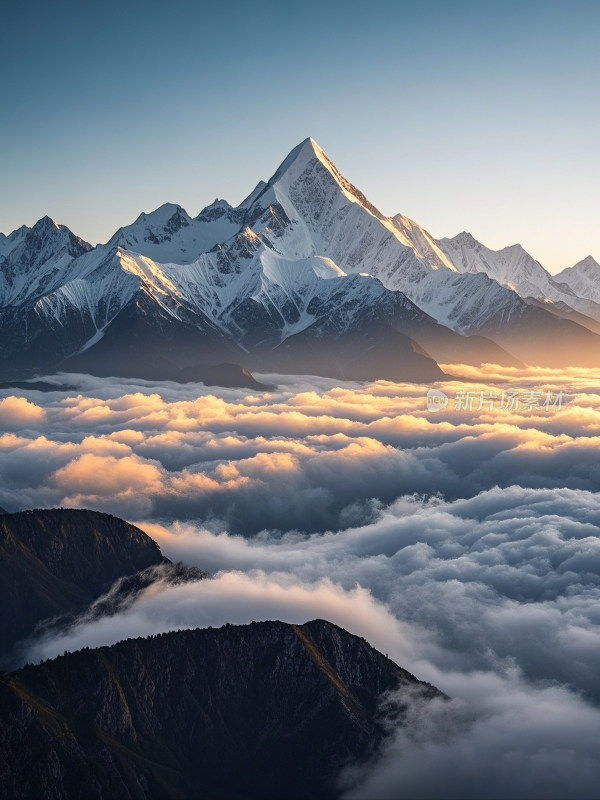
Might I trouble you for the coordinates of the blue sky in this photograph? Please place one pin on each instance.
(482, 116)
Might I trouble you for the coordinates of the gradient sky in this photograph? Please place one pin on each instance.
(482, 116)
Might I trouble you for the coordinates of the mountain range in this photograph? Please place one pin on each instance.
(304, 276)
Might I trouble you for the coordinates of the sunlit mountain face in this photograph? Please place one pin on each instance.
(305, 276)
(316, 412)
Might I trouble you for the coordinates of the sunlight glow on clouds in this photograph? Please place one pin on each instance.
(18, 412)
(308, 457)
(463, 543)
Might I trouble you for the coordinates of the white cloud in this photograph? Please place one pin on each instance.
(504, 739)
(464, 544)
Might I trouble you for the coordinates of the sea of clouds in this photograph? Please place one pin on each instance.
(463, 543)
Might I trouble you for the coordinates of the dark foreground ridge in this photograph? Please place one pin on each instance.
(267, 710)
(57, 561)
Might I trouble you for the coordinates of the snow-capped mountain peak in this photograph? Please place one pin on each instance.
(37, 263)
(465, 239)
(583, 278)
(587, 264)
(157, 226)
(219, 209)
(423, 242)
(515, 268)
(169, 235)
(303, 158)
(10, 241)
(217, 204)
(46, 222)
(256, 192)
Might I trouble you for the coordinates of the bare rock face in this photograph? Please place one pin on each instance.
(57, 561)
(267, 710)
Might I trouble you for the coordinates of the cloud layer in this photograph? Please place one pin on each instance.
(463, 543)
(494, 599)
(306, 457)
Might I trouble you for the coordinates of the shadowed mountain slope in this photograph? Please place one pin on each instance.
(57, 561)
(267, 710)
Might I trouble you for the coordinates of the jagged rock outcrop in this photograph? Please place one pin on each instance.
(267, 710)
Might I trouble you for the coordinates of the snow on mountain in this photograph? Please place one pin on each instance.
(514, 268)
(583, 279)
(170, 235)
(307, 208)
(306, 211)
(422, 241)
(38, 261)
(8, 243)
(247, 288)
(100, 286)
(252, 293)
(305, 252)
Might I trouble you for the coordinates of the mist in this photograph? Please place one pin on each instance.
(464, 544)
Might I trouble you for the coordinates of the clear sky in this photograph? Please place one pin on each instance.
(479, 116)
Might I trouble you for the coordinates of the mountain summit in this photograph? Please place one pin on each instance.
(583, 279)
(305, 275)
(267, 710)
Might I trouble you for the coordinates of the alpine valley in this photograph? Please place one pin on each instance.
(304, 276)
